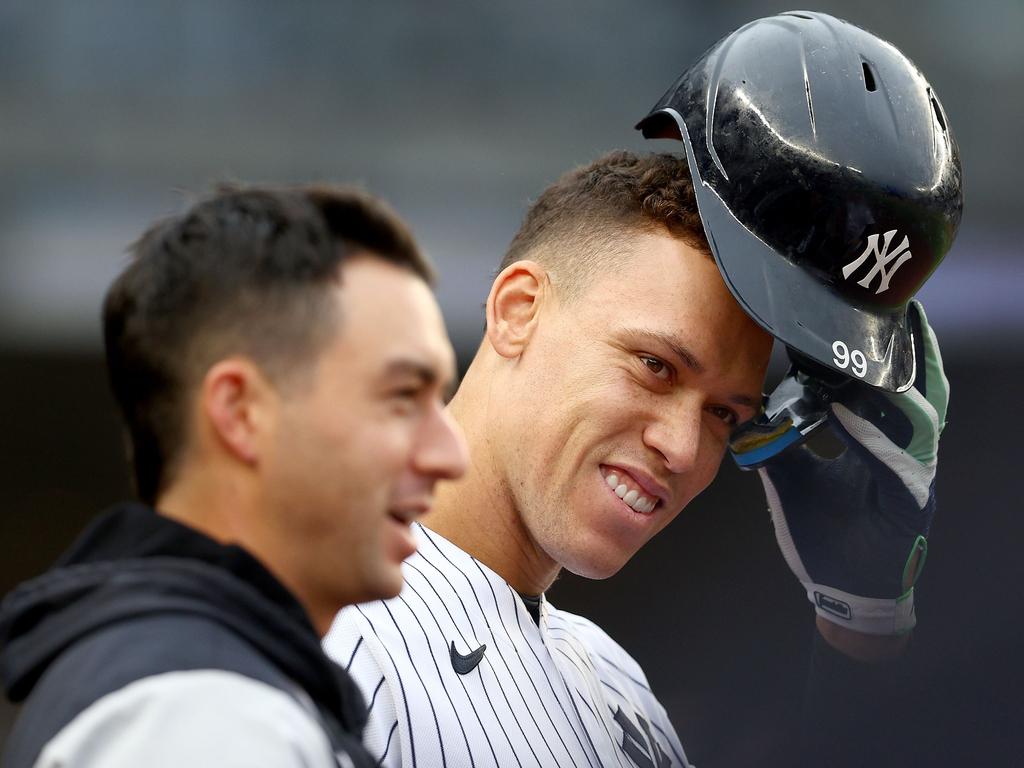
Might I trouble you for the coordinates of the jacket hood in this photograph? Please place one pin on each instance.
(132, 562)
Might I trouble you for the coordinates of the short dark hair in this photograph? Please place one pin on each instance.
(246, 271)
(574, 226)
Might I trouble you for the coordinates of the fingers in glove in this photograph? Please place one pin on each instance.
(925, 404)
(932, 378)
(912, 420)
(898, 463)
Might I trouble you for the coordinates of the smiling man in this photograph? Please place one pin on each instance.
(280, 363)
(651, 363)
(614, 366)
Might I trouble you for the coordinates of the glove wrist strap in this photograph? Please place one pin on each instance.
(872, 616)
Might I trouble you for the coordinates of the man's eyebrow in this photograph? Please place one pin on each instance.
(427, 374)
(746, 400)
(409, 367)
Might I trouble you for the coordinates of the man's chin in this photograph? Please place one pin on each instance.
(587, 551)
(386, 584)
(391, 586)
(590, 567)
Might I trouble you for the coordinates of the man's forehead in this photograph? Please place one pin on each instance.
(658, 267)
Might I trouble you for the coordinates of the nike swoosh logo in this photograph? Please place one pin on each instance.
(886, 360)
(466, 664)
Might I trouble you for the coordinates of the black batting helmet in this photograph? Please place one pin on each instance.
(828, 182)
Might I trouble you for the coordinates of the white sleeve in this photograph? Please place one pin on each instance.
(195, 718)
(346, 645)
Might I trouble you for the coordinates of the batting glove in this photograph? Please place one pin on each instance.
(853, 527)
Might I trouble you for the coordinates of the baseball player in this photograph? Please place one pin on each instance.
(628, 332)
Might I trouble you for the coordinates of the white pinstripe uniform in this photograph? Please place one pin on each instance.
(559, 694)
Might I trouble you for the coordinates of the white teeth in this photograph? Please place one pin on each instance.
(632, 497)
(642, 505)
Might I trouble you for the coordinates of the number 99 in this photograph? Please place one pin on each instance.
(844, 358)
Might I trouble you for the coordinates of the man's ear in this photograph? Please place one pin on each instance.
(236, 400)
(514, 304)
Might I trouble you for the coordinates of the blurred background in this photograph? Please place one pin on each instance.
(113, 113)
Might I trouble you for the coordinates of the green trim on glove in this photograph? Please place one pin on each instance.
(920, 548)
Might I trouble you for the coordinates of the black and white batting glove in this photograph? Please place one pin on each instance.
(853, 527)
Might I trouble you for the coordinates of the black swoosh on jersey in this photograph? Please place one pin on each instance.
(466, 664)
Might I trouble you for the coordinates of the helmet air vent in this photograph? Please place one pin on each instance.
(869, 77)
(938, 112)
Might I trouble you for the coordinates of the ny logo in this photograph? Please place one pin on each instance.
(644, 752)
(882, 260)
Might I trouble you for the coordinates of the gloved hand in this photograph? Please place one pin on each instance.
(853, 528)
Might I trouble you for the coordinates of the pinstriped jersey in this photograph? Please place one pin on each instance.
(456, 673)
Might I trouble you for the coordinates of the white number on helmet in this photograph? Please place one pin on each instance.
(860, 363)
(844, 358)
(842, 354)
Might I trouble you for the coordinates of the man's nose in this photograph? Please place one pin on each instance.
(676, 435)
(441, 452)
